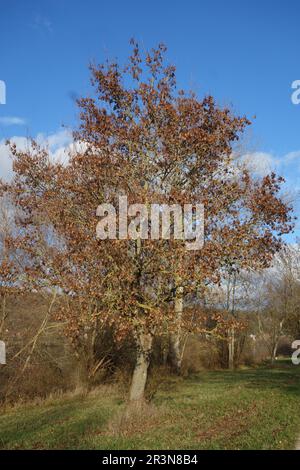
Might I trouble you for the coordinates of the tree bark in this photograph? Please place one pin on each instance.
(274, 352)
(231, 349)
(80, 374)
(140, 373)
(276, 343)
(175, 357)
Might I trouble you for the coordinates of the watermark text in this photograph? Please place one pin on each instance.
(153, 221)
(2, 92)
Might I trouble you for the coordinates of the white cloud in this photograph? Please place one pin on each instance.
(60, 144)
(5, 163)
(291, 156)
(260, 163)
(59, 139)
(12, 121)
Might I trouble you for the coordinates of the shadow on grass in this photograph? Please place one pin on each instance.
(283, 375)
(57, 425)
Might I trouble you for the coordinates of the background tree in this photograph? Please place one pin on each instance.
(279, 300)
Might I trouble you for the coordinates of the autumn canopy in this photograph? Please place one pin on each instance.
(139, 137)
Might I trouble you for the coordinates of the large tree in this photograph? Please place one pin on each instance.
(142, 138)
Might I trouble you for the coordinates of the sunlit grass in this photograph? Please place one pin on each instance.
(246, 409)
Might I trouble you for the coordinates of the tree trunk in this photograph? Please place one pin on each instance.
(175, 356)
(276, 343)
(80, 375)
(274, 352)
(231, 349)
(139, 378)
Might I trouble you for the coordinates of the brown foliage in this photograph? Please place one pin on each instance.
(141, 137)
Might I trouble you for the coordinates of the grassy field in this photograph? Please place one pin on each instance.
(246, 409)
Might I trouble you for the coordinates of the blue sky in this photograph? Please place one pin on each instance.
(245, 53)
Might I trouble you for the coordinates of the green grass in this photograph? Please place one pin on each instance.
(246, 409)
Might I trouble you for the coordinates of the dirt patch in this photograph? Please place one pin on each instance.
(230, 425)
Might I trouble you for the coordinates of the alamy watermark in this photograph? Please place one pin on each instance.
(295, 356)
(153, 221)
(2, 92)
(295, 97)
